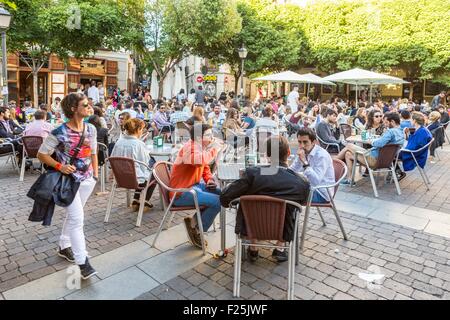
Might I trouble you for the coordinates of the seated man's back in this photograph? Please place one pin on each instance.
(284, 184)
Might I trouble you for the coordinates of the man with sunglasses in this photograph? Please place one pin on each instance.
(315, 163)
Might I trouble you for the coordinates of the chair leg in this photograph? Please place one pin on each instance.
(394, 177)
(305, 224)
(355, 163)
(110, 202)
(374, 185)
(424, 177)
(237, 265)
(336, 214)
(22, 170)
(321, 216)
(128, 198)
(161, 225)
(200, 228)
(141, 207)
(291, 267)
(102, 178)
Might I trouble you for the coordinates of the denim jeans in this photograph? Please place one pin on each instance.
(207, 198)
(317, 198)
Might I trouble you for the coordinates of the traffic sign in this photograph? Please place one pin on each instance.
(199, 79)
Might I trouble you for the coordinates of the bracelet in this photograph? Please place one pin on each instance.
(58, 166)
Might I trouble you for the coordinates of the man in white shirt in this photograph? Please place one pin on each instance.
(315, 163)
(93, 93)
(101, 92)
(216, 118)
(293, 99)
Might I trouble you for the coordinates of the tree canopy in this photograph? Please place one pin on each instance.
(382, 34)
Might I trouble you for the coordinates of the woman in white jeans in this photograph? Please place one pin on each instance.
(62, 142)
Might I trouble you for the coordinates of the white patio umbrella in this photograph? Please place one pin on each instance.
(360, 77)
(290, 76)
(316, 80)
(154, 88)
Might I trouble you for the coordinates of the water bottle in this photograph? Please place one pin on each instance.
(364, 135)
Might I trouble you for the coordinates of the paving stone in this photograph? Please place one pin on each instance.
(338, 284)
(427, 288)
(276, 293)
(127, 284)
(322, 289)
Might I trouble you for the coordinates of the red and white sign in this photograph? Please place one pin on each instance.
(199, 79)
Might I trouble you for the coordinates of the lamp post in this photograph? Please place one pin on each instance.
(5, 19)
(242, 54)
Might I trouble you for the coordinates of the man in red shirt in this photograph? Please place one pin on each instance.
(191, 170)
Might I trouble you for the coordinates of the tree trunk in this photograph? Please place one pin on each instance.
(35, 89)
(411, 91)
(160, 87)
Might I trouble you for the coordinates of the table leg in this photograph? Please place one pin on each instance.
(223, 226)
(355, 162)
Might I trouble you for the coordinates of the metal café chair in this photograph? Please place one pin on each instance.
(31, 145)
(104, 167)
(124, 171)
(385, 163)
(326, 145)
(161, 172)
(445, 125)
(10, 154)
(264, 220)
(340, 170)
(181, 133)
(413, 153)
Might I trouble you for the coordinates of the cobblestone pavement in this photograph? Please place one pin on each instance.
(415, 266)
(27, 249)
(413, 188)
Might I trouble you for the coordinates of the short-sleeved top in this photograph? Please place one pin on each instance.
(251, 122)
(64, 140)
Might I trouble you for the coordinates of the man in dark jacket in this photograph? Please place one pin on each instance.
(283, 184)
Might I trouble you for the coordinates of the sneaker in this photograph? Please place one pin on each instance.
(198, 240)
(346, 182)
(401, 175)
(66, 253)
(135, 205)
(190, 230)
(252, 255)
(280, 256)
(86, 270)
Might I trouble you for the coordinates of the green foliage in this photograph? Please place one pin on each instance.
(272, 35)
(42, 27)
(380, 34)
(176, 28)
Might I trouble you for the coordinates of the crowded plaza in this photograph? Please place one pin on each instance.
(284, 183)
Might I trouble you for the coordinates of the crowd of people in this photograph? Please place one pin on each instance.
(124, 122)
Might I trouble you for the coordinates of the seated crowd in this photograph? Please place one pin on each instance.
(124, 124)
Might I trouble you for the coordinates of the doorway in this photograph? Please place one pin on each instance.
(26, 86)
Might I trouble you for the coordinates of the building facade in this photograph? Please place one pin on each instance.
(114, 69)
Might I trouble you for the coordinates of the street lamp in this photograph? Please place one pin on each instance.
(5, 19)
(242, 54)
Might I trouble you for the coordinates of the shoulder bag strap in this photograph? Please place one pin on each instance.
(78, 148)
